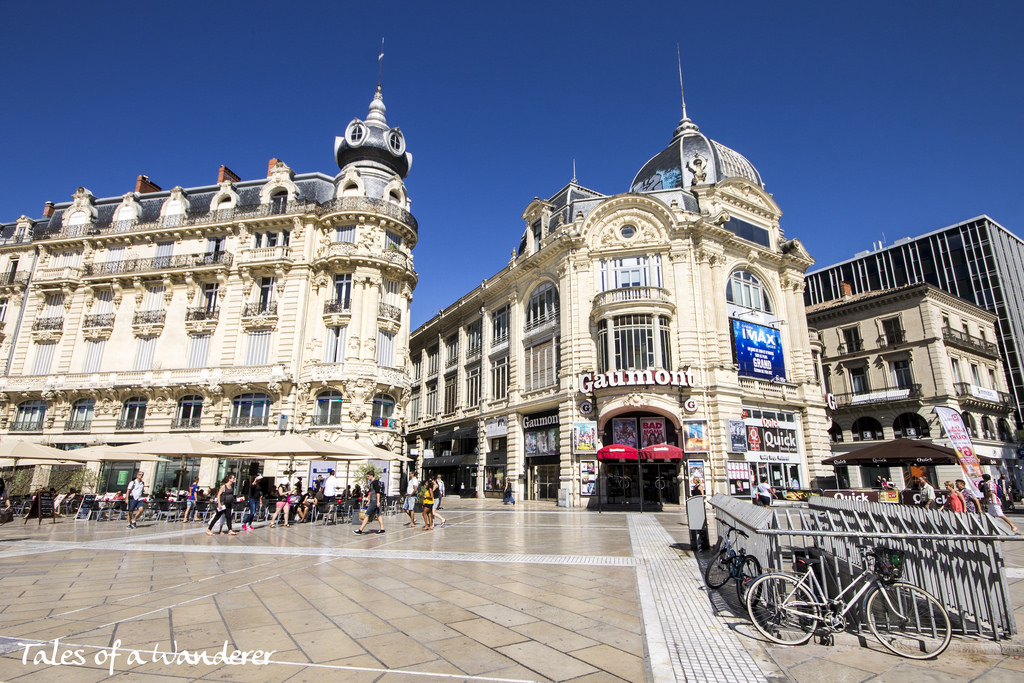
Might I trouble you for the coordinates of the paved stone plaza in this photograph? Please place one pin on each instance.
(530, 593)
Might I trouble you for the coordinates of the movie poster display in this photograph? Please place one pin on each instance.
(758, 350)
(584, 437)
(652, 431)
(695, 436)
(588, 477)
(737, 436)
(624, 431)
(695, 477)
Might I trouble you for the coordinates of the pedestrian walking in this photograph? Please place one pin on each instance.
(409, 506)
(253, 499)
(374, 503)
(136, 490)
(972, 505)
(507, 496)
(954, 501)
(282, 504)
(331, 485)
(926, 493)
(428, 505)
(439, 492)
(990, 491)
(764, 493)
(1005, 492)
(225, 499)
(190, 503)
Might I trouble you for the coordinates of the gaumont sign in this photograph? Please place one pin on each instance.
(589, 381)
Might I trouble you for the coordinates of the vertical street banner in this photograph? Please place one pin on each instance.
(960, 439)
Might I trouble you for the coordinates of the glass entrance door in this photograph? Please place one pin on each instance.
(546, 482)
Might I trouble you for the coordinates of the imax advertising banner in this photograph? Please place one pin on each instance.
(758, 350)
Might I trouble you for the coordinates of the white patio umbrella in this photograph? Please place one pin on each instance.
(181, 446)
(19, 451)
(104, 453)
(291, 446)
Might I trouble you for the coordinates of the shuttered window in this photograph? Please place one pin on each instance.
(144, 353)
(385, 349)
(93, 355)
(334, 347)
(154, 298)
(258, 348)
(198, 350)
(44, 357)
(104, 302)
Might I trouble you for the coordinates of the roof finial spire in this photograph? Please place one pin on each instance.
(574, 171)
(685, 124)
(679, 61)
(380, 67)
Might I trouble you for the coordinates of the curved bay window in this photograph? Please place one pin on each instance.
(29, 417)
(744, 289)
(867, 429)
(328, 409)
(383, 411)
(634, 342)
(910, 426)
(190, 412)
(80, 419)
(542, 307)
(250, 410)
(133, 413)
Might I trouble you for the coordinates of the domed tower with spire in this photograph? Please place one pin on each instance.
(366, 277)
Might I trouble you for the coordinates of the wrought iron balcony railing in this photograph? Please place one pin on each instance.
(337, 306)
(389, 312)
(893, 338)
(911, 392)
(17, 278)
(149, 317)
(132, 423)
(250, 421)
(98, 320)
(268, 308)
(202, 313)
(968, 390)
(852, 346)
(326, 420)
(50, 323)
(965, 340)
(77, 425)
(27, 426)
(186, 423)
(141, 265)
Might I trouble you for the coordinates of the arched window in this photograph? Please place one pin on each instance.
(972, 426)
(910, 426)
(80, 419)
(744, 289)
(635, 342)
(250, 410)
(383, 410)
(988, 429)
(542, 307)
(190, 412)
(29, 417)
(133, 413)
(328, 408)
(835, 433)
(867, 429)
(279, 202)
(1004, 430)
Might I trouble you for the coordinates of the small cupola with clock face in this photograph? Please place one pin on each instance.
(371, 143)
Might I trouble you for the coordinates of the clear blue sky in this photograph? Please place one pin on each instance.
(867, 120)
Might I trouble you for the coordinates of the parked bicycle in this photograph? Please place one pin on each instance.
(790, 608)
(729, 563)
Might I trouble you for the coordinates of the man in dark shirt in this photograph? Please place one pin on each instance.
(375, 503)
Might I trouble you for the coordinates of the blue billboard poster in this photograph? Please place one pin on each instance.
(758, 350)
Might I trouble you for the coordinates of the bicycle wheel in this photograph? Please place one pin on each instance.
(719, 569)
(749, 569)
(908, 621)
(782, 609)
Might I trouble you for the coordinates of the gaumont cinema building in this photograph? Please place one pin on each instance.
(671, 313)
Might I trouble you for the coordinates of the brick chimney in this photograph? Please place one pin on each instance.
(143, 185)
(270, 166)
(226, 173)
(845, 289)
(48, 209)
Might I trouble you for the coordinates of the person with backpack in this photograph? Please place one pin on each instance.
(374, 503)
(225, 499)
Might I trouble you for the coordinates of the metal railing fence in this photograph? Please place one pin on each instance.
(956, 557)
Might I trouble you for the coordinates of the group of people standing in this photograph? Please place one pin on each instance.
(428, 495)
(959, 497)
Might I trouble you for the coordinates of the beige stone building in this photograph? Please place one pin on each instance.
(890, 357)
(669, 313)
(230, 311)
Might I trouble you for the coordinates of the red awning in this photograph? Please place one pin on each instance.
(617, 452)
(661, 451)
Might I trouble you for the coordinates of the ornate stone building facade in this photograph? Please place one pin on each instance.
(229, 311)
(670, 313)
(889, 357)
